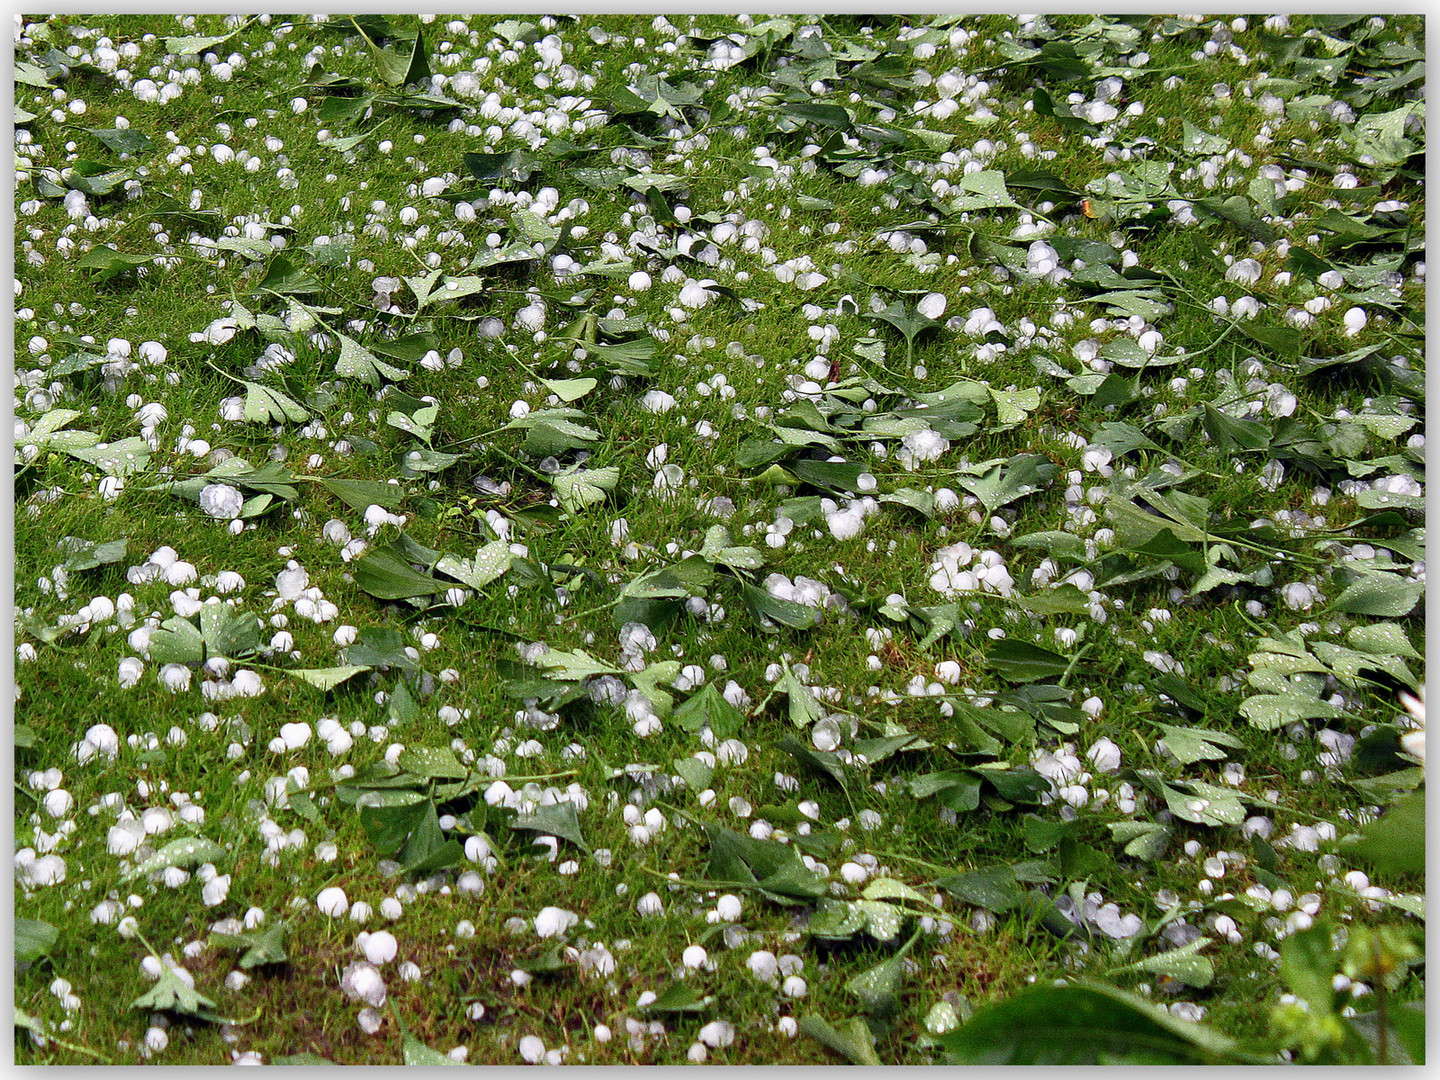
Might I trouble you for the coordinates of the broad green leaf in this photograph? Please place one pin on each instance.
(804, 709)
(227, 632)
(171, 994)
(33, 939)
(1191, 744)
(264, 405)
(491, 562)
(195, 44)
(383, 573)
(855, 1042)
(1183, 964)
(358, 362)
(186, 852)
(693, 771)
(1270, 711)
(362, 494)
(1084, 1023)
(708, 706)
(1386, 596)
(789, 613)
(680, 997)
(1395, 842)
(575, 665)
(580, 488)
(558, 819)
(415, 1052)
(878, 988)
(176, 641)
(328, 678)
(265, 946)
(1020, 661)
(1022, 475)
(993, 888)
(432, 762)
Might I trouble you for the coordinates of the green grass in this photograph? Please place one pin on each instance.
(929, 673)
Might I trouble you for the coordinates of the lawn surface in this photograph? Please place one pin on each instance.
(628, 539)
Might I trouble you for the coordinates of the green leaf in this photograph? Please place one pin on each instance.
(558, 819)
(693, 771)
(580, 487)
(815, 761)
(708, 706)
(229, 633)
(265, 946)
(1199, 141)
(385, 574)
(87, 555)
(264, 405)
(993, 888)
(878, 988)
(416, 1052)
(33, 939)
(362, 494)
(789, 613)
(1084, 1023)
(432, 762)
(195, 44)
(679, 997)
(574, 665)
(1021, 661)
(491, 562)
(1386, 596)
(328, 678)
(985, 190)
(110, 262)
(1022, 475)
(1395, 842)
(171, 994)
(176, 641)
(1182, 964)
(1191, 744)
(186, 852)
(804, 709)
(358, 362)
(855, 1043)
(123, 140)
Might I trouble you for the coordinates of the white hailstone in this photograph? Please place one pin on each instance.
(649, 904)
(846, 524)
(531, 317)
(246, 683)
(58, 803)
(694, 956)
(1040, 259)
(156, 1039)
(1355, 320)
(291, 582)
(228, 581)
(179, 573)
(379, 947)
(931, 305)
(657, 401)
(1092, 707)
(1104, 755)
(640, 281)
(215, 890)
(729, 907)
(124, 837)
(794, 986)
(295, 735)
(1245, 271)
(697, 1053)
(174, 677)
(332, 902)
(129, 671)
(336, 532)
(1298, 596)
(554, 921)
(103, 740)
(47, 870)
(532, 1049)
(717, 1033)
(362, 981)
